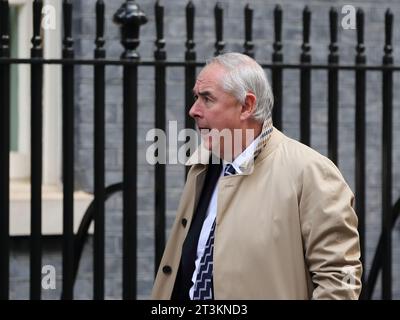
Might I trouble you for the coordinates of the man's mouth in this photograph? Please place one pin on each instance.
(204, 130)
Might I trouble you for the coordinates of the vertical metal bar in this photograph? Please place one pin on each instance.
(387, 101)
(360, 132)
(129, 183)
(333, 88)
(68, 154)
(219, 29)
(248, 24)
(99, 145)
(190, 69)
(130, 17)
(4, 152)
(160, 99)
(36, 156)
(277, 57)
(305, 81)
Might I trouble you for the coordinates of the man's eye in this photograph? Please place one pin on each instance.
(195, 97)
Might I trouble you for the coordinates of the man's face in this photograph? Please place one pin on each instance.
(214, 109)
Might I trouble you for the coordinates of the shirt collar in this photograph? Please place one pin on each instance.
(241, 160)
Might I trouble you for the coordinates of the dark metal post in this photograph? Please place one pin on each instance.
(387, 144)
(305, 81)
(4, 152)
(219, 29)
(160, 99)
(248, 32)
(68, 155)
(190, 69)
(277, 57)
(190, 57)
(360, 132)
(99, 145)
(333, 88)
(130, 18)
(36, 156)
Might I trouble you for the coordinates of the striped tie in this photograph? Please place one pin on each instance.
(229, 170)
(203, 289)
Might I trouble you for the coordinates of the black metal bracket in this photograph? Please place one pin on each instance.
(81, 236)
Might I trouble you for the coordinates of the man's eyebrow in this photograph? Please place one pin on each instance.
(202, 93)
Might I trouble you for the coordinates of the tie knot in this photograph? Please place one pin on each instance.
(229, 170)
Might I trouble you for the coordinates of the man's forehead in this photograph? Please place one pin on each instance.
(209, 77)
(204, 83)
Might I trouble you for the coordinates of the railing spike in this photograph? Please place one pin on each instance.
(190, 44)
(219, 28)
(248, 22)
(100, 24)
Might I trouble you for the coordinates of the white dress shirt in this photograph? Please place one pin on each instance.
(246, 155)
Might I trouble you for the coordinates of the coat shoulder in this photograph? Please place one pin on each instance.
(300, 158)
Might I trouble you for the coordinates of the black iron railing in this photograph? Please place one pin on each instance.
(129, 17)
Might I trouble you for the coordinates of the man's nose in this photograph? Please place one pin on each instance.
(195, 110)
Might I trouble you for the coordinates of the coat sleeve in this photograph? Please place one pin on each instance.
(329, 231)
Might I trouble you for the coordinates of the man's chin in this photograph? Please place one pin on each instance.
(207, 142)
(213, 147)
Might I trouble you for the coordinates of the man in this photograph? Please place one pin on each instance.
(273, 220)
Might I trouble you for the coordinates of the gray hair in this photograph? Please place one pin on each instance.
(245, 75)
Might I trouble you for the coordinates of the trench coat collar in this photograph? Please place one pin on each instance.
(202, 155)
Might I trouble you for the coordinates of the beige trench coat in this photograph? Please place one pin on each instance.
(287, 230)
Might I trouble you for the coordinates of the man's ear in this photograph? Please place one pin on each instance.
(249, 106)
